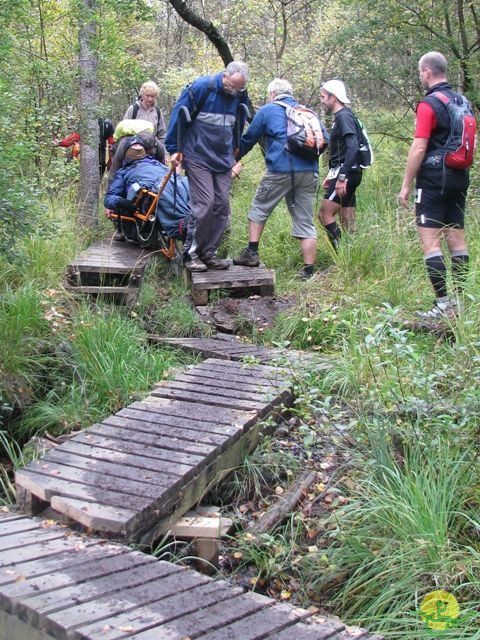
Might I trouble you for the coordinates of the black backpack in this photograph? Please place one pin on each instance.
(197, 106)
(365, 150)
(136, 108)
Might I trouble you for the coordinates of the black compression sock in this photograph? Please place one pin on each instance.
(459, 270)
(253, 246)
(437, 273)
(308, 269)
(334, 234)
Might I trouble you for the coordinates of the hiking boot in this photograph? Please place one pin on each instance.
(118, 236)
(303, 274)
(216, 263)
(195, 265)
(439, 311)
(247, 258)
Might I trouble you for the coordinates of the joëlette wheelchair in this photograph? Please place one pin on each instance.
(144, 227)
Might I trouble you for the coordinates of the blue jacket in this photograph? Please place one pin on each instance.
(270, 122)
(149, 173)
(209, 140)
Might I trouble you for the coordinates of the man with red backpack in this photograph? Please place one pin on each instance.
(439, 158)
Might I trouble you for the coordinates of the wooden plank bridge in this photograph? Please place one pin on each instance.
(113, 270)
(140, 469)
(131, 477)
(55, 584)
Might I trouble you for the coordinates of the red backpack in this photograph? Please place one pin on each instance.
(460, 146)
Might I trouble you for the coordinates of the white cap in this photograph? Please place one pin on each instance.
(337, 89)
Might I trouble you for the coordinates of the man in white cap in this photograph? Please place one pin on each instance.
(344, 174)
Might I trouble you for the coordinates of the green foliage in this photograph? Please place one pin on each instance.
(12, 459)
(406, 530)
(24, 343)
(102, 365)
(263, 468)
(271, 554)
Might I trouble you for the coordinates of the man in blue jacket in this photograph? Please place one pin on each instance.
(208, 157)
(141, 170)
(288, 176)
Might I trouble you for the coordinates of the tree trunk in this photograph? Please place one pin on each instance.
(89, 187)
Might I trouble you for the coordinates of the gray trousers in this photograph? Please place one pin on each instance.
(210, 205)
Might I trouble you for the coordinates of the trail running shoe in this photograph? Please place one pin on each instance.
(439, 311)
(247, 258)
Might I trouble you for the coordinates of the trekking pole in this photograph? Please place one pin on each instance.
(183, 120)
(242, 107)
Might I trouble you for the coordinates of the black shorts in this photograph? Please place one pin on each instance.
(349, 200)
(435, 209)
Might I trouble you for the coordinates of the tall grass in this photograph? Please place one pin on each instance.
(103, 364)
(25, 344)
(409, 528)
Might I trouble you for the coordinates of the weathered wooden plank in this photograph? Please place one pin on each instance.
(231, 379)
(216, 382)
(207, 399)
(202, 431)
(209, 618)
(75, 572)
(326, 630)
(25, 538)
(262, 369)
(175, 448)
(179, 409)
(16, 525)
(45, 487)
(275, 375)
(53, 557)
(217, 347)
(191, 386)
(160, 611)
(104, 290)
(108, 468)
(94, 516)
(135, 448)
(260, 624)
(113, 600)
(127, 459)
(194, 489)
(38, 552)
(108, 268)
(196, 442)
(93, 478)
(133, 569)
(233, 277)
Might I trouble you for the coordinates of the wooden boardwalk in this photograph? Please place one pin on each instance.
(139, 470)
(252, 279)
(229, 348)
(109, 269)
(55, 584)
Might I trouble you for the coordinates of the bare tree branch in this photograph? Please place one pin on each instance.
(206, 27)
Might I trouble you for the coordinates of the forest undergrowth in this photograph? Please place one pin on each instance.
(387, 418)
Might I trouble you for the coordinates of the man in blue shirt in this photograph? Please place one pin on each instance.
(208, 157)
(288, 176)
